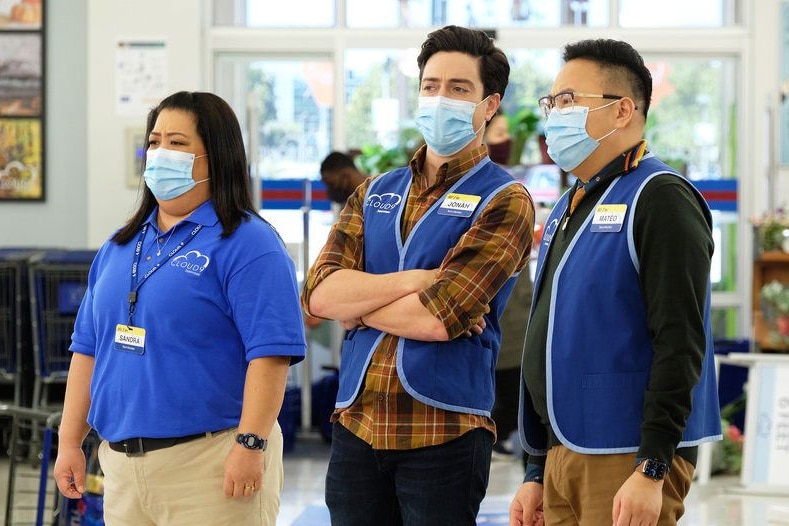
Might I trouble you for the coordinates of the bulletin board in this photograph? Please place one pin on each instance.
(22, 46)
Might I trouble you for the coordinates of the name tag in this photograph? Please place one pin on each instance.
(608, 218)
(459, 205)
(130, 339)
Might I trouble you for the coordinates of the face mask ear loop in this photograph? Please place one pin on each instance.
(483, 121)
(600, 108)
(606, 135)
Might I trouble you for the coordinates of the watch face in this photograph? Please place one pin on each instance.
(251, 441)
(654, 469)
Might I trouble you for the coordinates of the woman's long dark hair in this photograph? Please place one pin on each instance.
(220, 132)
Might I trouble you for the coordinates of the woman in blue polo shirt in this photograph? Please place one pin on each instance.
(183, 340)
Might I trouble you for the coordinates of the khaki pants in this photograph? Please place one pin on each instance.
(579, 489)
(182, 485)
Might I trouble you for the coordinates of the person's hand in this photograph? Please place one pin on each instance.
(638, 501)
(312, 322)
(476, 329)
(526, 506)
(69, 471)
(351, 324)
(243, 472)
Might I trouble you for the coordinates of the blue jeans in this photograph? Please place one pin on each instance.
(428, 486)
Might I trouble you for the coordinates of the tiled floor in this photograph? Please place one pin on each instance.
(717, 504)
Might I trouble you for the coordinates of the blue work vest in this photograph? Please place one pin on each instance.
(597, 375)
(456, 375)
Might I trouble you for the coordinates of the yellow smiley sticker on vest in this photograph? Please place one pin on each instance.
(608, 218)
(459, 205)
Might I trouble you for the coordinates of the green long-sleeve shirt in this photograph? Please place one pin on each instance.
(673, 242)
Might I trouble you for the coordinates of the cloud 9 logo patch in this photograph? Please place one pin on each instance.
(192, 262)
(384, 203)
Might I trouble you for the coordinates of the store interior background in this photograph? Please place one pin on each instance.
(87, 194)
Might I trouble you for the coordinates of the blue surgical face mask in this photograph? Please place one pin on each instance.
(565, 134)
(168, 173)
(446, 124)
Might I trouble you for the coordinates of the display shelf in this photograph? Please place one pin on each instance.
(768, 266)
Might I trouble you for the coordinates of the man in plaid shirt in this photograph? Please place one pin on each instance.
(418, 268)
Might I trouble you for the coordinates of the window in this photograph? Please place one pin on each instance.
(272, 13)
(690, 117)
(677, 13)
(291, 102)
(477, 13)
(381, 89)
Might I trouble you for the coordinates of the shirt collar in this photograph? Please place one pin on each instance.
(205, 215)
(621, 165)
(451, 170)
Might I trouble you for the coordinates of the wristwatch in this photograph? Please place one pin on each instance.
(252, 441)
(652, 468)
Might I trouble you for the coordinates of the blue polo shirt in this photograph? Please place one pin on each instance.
(207, 310)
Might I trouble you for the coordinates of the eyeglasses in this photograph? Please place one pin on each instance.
(565, 100)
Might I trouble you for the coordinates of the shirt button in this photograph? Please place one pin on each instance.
(389, 354)
(381, 398)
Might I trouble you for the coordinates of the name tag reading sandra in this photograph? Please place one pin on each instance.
(459, 205)
(128, 338)
(608, 218)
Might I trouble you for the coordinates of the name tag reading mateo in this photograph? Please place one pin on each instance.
(608, 218)
(459, 205)
(128, 338)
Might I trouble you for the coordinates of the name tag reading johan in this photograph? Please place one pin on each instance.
(608, 218)
(459, 205)
(128, 338)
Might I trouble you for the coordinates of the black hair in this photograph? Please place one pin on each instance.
(619, 57)
(220, 132)
(494, 68)
(337, 161)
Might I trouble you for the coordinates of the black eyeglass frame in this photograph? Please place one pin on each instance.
(548, 102)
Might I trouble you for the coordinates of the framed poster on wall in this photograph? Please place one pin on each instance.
(22, 112)
(783, 110)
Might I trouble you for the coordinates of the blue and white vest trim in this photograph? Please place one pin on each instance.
(596, 377)
(456, 375)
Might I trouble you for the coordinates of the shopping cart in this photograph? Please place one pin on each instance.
(58, 280)
(16, 361)
(31, 494)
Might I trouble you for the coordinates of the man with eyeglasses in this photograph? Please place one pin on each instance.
(619, 381)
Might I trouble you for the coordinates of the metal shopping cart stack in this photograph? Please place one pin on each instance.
(31, 494)
(16, 361)
(58, 280)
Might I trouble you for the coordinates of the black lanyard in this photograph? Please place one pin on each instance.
(137, 282)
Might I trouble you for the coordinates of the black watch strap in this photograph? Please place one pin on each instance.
(652, 468)
(252, 441)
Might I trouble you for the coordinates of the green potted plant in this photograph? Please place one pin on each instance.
(375, 159)
(522, 126)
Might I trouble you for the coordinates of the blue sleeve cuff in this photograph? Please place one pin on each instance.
(534, 473)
